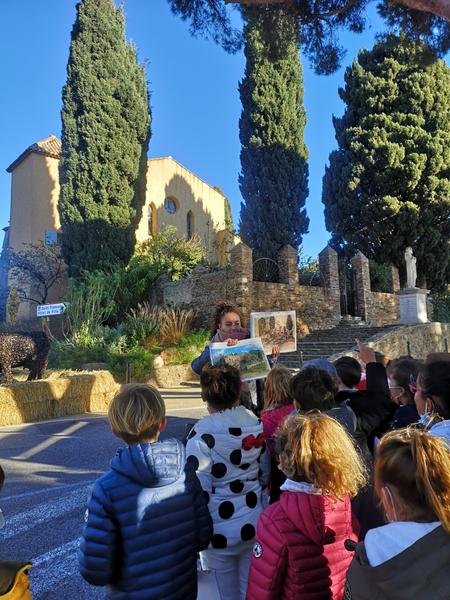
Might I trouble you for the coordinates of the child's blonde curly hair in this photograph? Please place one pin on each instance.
(317, 449)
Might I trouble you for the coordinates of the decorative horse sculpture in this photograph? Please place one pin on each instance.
(22, 349)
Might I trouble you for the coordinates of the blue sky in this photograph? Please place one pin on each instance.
(194, 95)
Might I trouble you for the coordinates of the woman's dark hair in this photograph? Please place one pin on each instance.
(221, 386)
(405, 370)
(312, 389)
(222, 308)
(348, 370)
(435, 382)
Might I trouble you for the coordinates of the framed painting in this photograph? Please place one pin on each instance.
(275, 328)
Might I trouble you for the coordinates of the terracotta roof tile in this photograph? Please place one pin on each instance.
(49, 146)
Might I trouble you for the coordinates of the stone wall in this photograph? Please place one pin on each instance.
(318, 307)
(312, 304)
(383, 308)
(420, 340)
(375, 308)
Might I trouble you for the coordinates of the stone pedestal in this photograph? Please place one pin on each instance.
(413, 305)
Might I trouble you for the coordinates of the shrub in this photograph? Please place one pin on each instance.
(380, 277)
(64, 355)
(142, 324)
(188, 347)
(170, 253)
(140, 359)
(441, 307)
(174, 325)
(13, 305)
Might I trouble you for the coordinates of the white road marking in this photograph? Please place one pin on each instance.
(52, 440)
(47, 490)
(50, 568)
(43, 513)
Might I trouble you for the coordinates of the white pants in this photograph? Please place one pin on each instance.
(229, 567)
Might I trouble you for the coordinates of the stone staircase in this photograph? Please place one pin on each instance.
(326, 342)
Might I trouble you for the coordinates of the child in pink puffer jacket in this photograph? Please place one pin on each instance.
(299, 548)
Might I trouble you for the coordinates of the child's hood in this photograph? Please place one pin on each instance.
(317, 516)
(230, 429)
(151, 465)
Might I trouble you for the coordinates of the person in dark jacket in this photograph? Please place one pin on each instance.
(402, 376)
(147, 515)
(227, 326)
(410, 556)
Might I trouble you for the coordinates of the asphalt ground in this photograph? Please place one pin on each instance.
(49, 467)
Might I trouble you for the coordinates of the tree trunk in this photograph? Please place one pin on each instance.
(440, 8)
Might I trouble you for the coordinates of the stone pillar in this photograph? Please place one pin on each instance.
(360, 264)
(395, 279)
(288, 265)
(329, 269)
(241, 257)
(329, 275)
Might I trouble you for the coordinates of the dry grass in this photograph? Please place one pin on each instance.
(175, 323)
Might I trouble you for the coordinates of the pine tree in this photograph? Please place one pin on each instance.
(388, 184)
(105, 136)
(274, 177)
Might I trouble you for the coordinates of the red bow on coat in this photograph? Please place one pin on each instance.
(251, 441)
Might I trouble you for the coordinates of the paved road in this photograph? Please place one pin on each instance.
(49, 467)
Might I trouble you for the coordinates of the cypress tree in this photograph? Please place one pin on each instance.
(105, 136)
(388, 184)
(274, 176)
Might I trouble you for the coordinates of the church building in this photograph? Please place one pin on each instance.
(174, 196)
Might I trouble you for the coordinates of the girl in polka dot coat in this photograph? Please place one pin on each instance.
(228, 451)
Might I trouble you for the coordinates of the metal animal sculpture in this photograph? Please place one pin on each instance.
(21, 349)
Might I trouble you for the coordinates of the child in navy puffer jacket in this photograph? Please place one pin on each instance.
(147, 516)
(228, 450)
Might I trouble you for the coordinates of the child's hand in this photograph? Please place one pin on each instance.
(231, 342)
(276, 352)
(366, 354)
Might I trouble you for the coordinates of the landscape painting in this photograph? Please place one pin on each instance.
(247, 355)
(275, 328)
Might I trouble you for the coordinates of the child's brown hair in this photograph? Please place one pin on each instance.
(221, 386)
(417, 466)
(277, 388)
(315, 448)
(136, 412)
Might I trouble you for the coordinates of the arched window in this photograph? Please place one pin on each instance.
(189, 224)
(170, 205)
(151, 219)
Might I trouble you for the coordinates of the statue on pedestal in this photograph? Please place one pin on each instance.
(411, 269)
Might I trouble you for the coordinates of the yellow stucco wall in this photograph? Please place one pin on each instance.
(166, 178)
(34, 197)
(34, 200)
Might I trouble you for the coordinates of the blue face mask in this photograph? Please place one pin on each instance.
(423, 421)
(426, 417)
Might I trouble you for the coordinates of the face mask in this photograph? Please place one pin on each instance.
(425, 418)
(423, 421)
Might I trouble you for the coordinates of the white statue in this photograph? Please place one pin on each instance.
(411, 269)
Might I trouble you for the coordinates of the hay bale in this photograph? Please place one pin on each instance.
(66, 394)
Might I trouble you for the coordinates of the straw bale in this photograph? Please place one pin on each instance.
(66, 394)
